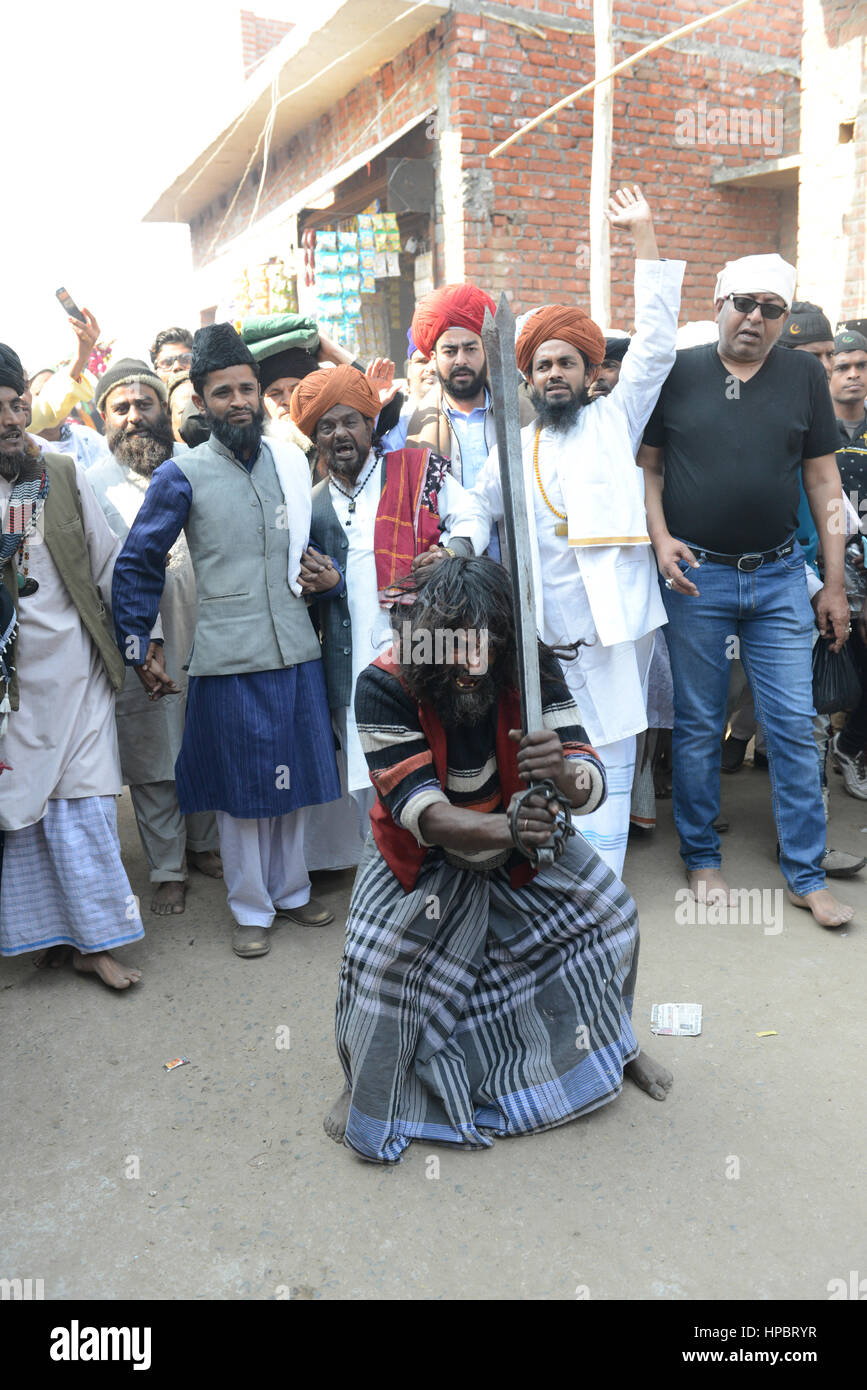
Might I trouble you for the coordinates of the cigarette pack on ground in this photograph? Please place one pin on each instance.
(176, 1062)
(676, 1020)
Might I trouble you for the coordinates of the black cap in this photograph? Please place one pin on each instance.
(215, 347)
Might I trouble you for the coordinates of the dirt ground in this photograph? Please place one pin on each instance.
(216, 1180)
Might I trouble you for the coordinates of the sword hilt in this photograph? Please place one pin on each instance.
(563, 827)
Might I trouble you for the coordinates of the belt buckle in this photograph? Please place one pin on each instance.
(753, 556)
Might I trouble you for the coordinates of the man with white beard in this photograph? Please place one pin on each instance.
(132, 400)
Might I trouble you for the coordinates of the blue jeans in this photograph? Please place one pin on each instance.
(769, 612)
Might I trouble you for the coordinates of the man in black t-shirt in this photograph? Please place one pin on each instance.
(736, 427)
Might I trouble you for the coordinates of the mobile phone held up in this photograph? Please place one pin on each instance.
(70, 306)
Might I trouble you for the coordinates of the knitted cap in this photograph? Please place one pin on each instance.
(123, 373)
(806, 324)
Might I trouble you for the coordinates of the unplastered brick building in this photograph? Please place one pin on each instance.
(377, 121)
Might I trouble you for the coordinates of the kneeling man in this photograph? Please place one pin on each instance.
(477, 996)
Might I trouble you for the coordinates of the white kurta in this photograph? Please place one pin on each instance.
(150, 731)
(61, 742)
(608, 594)
(606, 683)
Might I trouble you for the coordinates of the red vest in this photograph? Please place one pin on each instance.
(398, 847)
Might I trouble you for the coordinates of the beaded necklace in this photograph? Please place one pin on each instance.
(563, 528)
(359, 489)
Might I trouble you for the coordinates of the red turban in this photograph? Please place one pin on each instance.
(321, 390)
(564, 321)
(453, 306)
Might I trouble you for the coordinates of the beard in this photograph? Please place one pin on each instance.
(11, 464)
(348, 468)
(241, 440)
(463, 390)
(560, 417)
(142, 450)
(455, 707)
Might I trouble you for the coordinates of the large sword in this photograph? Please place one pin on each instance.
(498, 336)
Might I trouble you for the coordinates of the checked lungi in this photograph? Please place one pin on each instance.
(469, 1008)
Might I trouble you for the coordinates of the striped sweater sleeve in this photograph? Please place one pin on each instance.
(560, 713)
(398, 755)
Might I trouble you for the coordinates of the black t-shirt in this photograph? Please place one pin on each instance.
(733, 449)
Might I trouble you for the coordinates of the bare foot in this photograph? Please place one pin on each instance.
(168, 898)
(335, 1121)
(708, 885)
(207, 861)
(51, 958)
(827, 911)
(109, 970)
(656, 1080)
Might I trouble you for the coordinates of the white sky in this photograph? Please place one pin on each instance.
(102, 104)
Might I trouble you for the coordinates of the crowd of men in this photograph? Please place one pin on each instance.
(225, 602)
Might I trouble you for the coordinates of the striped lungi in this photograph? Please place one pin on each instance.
(64, 884)
(468, 1007)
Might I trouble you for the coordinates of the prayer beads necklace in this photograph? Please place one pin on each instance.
(563, 528)
(360, 488)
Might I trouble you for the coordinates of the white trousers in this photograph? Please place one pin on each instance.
(263, 866)
(607, 829)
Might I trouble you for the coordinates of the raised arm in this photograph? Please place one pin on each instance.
(657, 305)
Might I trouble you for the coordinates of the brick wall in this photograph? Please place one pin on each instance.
(529, 216)
(258, 37)
(379, 106)
(518, 222)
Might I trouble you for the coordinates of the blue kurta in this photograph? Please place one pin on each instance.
(255, 745)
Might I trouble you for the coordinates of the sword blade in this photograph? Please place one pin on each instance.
(498, 336)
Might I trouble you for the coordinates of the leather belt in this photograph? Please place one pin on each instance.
(752, 560)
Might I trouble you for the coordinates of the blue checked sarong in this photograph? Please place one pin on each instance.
(63, 882)
(468, 1007)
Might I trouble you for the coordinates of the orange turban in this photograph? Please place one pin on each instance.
(564, 321)
(453, 306)
(321, 390)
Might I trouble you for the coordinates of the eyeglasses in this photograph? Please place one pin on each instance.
(745, 304)
(180, 359)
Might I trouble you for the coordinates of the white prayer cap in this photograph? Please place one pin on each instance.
(757, 275)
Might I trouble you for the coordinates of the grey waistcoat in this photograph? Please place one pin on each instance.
(247, 617)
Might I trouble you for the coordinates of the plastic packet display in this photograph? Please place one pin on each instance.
(330, 307)
(350, 283)
(367, 239)
(327, 262)
(347, 241)
(348, 260)
(326, 241)
(329, 284)
(368, 283)
(351, 305)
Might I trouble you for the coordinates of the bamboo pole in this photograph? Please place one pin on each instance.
(620, 67)
(600, 166)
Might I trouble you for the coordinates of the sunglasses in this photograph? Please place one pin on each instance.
(180, 359)
(745, 304)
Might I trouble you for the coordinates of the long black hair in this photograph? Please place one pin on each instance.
(470, 594)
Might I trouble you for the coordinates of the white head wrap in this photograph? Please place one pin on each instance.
(757, 275)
